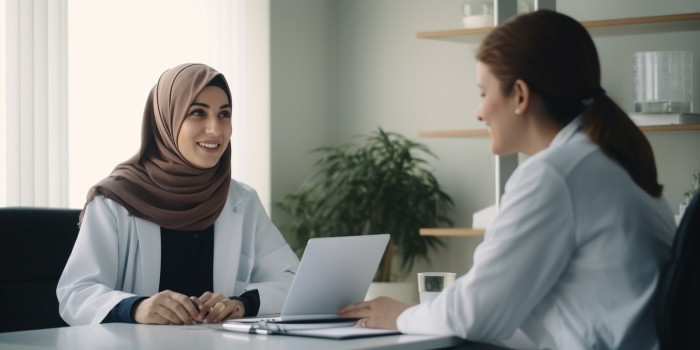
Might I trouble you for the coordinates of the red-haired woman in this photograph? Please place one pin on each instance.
(572, 259)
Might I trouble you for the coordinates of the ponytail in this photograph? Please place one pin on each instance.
(614, 132)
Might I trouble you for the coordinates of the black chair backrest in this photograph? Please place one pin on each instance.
(677, 309)
(36, 243)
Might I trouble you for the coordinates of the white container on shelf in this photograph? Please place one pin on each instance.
(477, 13)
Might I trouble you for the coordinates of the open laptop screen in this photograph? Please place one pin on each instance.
(333, 272)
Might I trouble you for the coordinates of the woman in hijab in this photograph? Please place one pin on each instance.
(169, 237)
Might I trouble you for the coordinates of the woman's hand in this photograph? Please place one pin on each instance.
(381, 312)
(166, 307)
(215, 307)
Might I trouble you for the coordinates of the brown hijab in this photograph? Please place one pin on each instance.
(158, 184)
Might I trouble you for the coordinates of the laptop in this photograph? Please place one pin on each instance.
(333, 272)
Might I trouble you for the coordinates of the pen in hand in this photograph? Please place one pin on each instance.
(196, 307)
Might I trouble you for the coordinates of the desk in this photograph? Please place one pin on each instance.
(120, 336)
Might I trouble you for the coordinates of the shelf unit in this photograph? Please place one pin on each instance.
(466, 133)
(608, 27)
(452, 232)
(619, 26)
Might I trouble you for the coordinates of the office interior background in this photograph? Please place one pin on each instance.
(304, 74)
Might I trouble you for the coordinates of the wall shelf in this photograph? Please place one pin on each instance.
(675, 127)
(454, 133)
(465, 133)
(452, 232)
(618, 26)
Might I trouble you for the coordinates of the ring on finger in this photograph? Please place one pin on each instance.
(218, 307)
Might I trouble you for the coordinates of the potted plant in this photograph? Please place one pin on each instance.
(378, 186)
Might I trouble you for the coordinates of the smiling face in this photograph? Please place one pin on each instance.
(497, 111)
(206, 131)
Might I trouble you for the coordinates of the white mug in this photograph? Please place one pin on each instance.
(430, 284)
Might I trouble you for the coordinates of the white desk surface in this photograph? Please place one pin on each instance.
(150, 337)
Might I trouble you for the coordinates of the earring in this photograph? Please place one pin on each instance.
(517, 111)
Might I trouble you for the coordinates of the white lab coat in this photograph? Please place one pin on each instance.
(570, 262)
(117, 256)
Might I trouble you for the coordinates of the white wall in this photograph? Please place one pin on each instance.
(303, 61)
(247, 69)
(387, 77)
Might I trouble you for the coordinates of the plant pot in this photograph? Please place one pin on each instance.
(406, 291)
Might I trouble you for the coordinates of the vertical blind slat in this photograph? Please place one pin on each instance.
(12, 99)
(36, 154)
(26, 103)
(41, 120)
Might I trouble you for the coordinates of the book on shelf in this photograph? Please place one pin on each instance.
(644, 119)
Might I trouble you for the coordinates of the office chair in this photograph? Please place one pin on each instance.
(677, 310)
(36, 243)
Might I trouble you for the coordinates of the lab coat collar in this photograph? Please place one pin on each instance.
(228, 233)
(149, 252)
(565, 134)
(235, 195)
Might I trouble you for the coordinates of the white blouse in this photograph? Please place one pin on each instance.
(571, 260)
